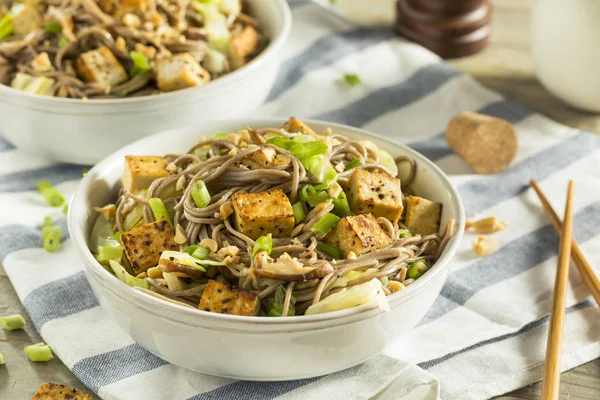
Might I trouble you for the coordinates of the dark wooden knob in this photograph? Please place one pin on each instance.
(450, 28)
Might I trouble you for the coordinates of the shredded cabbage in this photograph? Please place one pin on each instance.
(358, 295)
(126, 277)
(385, 158)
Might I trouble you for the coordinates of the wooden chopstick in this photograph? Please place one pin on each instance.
(584, 267)
(551, 383)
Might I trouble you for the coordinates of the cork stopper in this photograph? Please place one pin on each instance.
(488, 144)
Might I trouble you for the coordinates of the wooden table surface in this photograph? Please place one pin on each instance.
(505, 66)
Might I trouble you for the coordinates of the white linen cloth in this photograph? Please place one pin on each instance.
(486, 333)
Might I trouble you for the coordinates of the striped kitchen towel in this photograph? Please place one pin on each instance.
(486, 333)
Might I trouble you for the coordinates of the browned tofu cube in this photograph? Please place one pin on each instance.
(144, 244)
(358, 234)
(294, 125)
(422, 216)
(101, 66)
(179, 72)
(257, 214)
(262, 158)
(141, 171)
(375, 192)
(53, 391)
(27, 19)
(221, 298)
(242, 46)
(119, 7)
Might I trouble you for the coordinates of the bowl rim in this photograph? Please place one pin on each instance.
(159, 308)
(285, 14)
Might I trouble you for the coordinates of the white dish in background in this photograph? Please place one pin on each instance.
(86, 131)
(257, 348)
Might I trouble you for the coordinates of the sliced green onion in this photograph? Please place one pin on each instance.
(118, 235)
(12, 322)
(160, 210)
(39, 352)
(51, 194)
(341, 208)
(189, 260)
(299, 212)
(53, 27)
(190, 249)
(106, 253)
(329, 250)
(313, 196)
(320, 166)
(352, 164)
(404, 233)
(325, 223)
(140, 63)
(66, 209)
(263, 243)
(351, 79)
(201, 253)
(63, 42)
(126, 277)
(6, 26)
(47, 221)
(51, 236)
(200, 194)
(274, 304)
(416, 269)
(308, 149)
(1, 359)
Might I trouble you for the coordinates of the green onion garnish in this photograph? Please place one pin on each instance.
(404, 233)
(140, 63)
(200, 194)
(1, 359)
(39, 352)
(201, 253)
(53, 27)
(160, 210)
(263, 243)
(63, 42)
(190, 249)
(307, 149)
(352, 164)
(274, 304)
(6, 26)
(341, 208)
(351, 79)
(299, 212)
(51, 194)
(416, 269)
(51, 236)
(313, 196)
(320, 166)
(106, 253)
(118, 235)
(281, 141)
(329, 250)
(47, 221)
(12, 322)
(66, 209)
(324, 224)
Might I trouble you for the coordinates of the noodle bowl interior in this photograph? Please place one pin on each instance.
(112, 49)
(270, 222)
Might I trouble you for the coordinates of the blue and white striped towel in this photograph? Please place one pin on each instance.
(486, 333)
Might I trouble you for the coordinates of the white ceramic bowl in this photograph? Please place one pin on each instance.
(257, 348)
(84, 132)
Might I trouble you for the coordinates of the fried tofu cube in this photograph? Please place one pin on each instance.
(294, 125)
(224, 299)
(54, 391)
(143, 245)
(257, 214)
(375, 192)
(242, 46)
(101, 66)
(26, 19)
(422, 216)
(119, 7)
(179, 72)
(358, 234)
(262, 158)
(141, 171)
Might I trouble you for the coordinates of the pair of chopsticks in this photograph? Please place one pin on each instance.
(568, 248)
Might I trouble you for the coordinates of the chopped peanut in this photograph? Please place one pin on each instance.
(148, 51)
(483, 246)
(154, 273)
(41, 62)
(486, 225)
(395, 286)
(211, 244)
(180, 235)
(180, 184)
(108, 212)
(131, 20)
(226, 210)
(120, 44)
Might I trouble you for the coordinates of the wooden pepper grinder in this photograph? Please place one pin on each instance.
(449, 28)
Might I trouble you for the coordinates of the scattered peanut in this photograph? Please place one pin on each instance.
(483, 246)
(486, 225)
